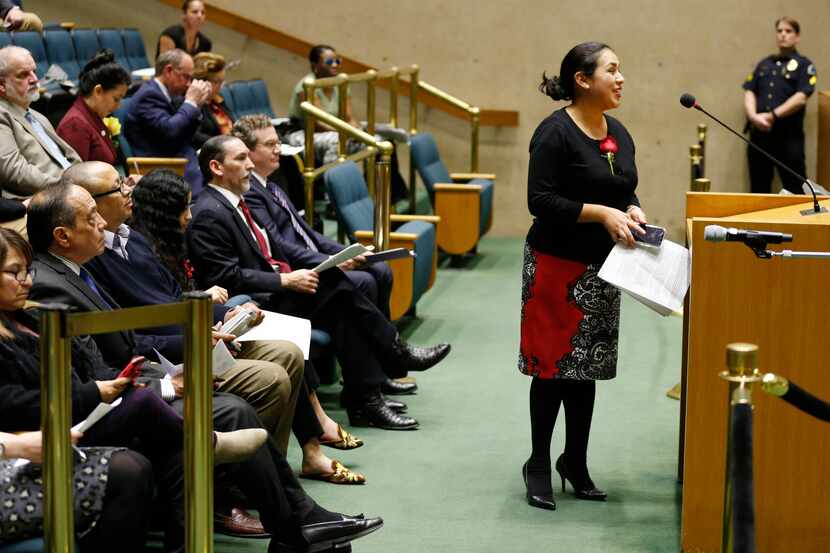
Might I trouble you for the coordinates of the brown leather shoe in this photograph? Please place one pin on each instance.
(239, 523)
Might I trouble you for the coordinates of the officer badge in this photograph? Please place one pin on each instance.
(813, 80)
(792, 65)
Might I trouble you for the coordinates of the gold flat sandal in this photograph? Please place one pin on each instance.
(340, 474)
(346, 441)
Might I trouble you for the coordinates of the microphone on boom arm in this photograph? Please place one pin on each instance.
(688, 101)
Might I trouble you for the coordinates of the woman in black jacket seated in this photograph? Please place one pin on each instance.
(142, 420)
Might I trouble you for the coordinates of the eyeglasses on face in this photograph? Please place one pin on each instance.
(124, 185)
(21, 274)
(187, 76)
(333, 61)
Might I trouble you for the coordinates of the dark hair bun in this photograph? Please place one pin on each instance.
(102, 57)
(553, 87)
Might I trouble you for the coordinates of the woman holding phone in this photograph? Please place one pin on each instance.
(581, 184)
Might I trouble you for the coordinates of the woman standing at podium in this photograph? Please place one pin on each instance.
(581, 184)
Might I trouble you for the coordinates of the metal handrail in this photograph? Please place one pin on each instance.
(394, 75)
(58, 325)
(381, 166)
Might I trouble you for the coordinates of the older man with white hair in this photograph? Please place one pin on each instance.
(32, 155)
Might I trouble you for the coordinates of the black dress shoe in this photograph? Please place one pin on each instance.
(417, 358)
(397, 406)
(583, 486)
(334, 536)
(539, 492)
(396, 388)
(375, 412)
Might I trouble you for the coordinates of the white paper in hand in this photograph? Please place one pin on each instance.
(656, 277)
(222, 358)
(171, 369)
(96, 415)
(276, 326)
(347, 253)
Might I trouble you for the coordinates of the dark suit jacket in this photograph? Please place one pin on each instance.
(158, 128)
(140, 280)
(224, 252)
(266, 208)
(55, 282)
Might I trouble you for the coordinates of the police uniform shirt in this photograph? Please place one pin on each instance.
(776, 78)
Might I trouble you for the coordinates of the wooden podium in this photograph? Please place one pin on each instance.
(782, 305)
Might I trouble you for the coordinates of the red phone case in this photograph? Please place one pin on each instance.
(133, 368)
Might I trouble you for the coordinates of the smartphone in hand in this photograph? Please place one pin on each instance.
(653, 236)
(133, 368)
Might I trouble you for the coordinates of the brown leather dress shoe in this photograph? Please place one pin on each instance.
(239, 523)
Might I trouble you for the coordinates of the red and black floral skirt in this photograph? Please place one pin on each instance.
(570, 320)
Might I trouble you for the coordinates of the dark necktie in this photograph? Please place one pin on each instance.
(260, 239)
(118, 248)
(272, 188)
(86, 277)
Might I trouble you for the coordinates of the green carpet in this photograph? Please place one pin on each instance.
(455, 485)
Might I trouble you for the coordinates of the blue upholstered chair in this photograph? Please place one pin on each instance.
(86, 44)
(121, 114)
(464, 201)
(111, 38)
(33, 42)
(261, 99)
(227, 94)
(5, 39)
(248, 98)
(412, 277)
(60, 50)
(134, 48)
(34, 545)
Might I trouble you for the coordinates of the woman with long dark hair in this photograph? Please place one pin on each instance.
(161, 211)
(581, 184)
(88, 126)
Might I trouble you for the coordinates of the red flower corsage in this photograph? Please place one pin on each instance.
(608, 147)
(188, 269)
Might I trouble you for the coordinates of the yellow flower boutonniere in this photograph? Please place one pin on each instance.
(113, 125)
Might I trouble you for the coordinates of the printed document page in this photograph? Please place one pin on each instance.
(345, 254)
(276, 326)
(656, 277)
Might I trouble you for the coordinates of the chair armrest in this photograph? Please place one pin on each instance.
(470, 176)
(177, 164)
(404, 218)
(444, 187)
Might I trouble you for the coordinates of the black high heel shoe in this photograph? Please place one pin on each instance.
(545, 500)
(583, 488)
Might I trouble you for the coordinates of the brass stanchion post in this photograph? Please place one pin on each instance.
(701, 185)
(368, 170)
(474, 122)
(701, 141)
(56, 419)
(393, 98)
(694, 158)
(382, 207)
(342, 99)
(413, 130)
(198, 425)
(308, 173)
(742, 371)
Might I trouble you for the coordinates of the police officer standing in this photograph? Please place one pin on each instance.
(774, 101)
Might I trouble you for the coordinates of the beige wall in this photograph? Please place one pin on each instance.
(492, 54)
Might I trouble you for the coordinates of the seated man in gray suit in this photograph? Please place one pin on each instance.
(32, 155)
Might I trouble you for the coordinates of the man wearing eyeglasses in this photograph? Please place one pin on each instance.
(165, 113)
(32, 155)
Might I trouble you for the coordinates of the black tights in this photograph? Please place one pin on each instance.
(546, 395)
(128, 504)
